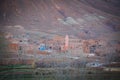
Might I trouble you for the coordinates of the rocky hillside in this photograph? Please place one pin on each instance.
(80, 18)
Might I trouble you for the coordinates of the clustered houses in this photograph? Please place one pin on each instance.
(63, 44)
(56, 44)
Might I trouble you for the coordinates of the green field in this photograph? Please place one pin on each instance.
(25, 72)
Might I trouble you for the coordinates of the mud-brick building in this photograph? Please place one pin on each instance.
(13, 45)
(75, 43)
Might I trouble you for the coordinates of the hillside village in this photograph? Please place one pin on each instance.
(24, 44)
(59, 39)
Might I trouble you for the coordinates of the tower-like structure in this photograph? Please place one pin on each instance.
(66, 42)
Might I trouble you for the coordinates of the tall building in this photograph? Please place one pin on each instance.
(66, 42)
